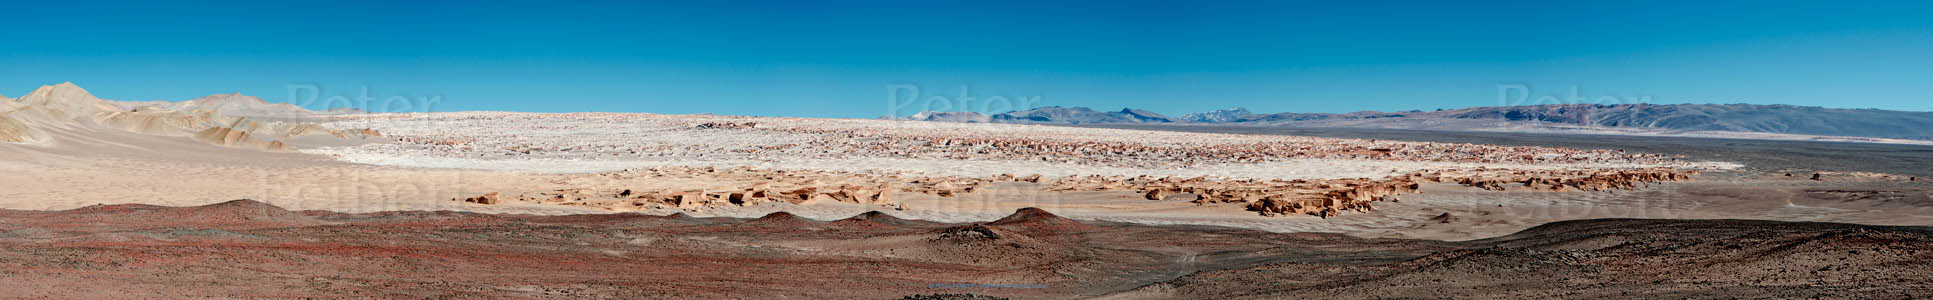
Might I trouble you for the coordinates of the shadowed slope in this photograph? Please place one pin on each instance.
(1615, 258)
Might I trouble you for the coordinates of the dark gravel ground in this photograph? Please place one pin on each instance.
(251, 250)
(1611, 259)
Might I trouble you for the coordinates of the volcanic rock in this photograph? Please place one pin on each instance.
(490, 198)
(1035, 221)
(782, 219)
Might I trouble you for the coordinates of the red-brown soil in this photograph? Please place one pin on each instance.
(247, 249)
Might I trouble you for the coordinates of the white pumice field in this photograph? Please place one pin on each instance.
(718, 164)
(75, 150)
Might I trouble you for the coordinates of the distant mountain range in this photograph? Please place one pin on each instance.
(1779, 119)
(1050, 115)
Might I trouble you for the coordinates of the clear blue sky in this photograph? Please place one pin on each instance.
(806, 58)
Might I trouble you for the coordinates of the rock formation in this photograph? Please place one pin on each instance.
(699, 187)
(1330, 197)
(726, 125)
(1555, 180)
(14, 131)
(491, 198)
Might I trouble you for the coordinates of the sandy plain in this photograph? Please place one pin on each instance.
(142, 196)
(433, 161)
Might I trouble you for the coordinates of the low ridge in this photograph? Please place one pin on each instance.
(781, 219)
(1032, 215)
(222, 119)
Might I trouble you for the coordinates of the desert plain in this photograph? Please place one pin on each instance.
(229, 196)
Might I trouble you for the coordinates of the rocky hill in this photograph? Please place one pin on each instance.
(1217, 116)
(66, 112)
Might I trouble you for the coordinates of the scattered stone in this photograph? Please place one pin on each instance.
(490, 198)
(1157, 194)
(729, 125)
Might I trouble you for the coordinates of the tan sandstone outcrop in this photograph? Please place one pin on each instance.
(491, 198)
(700, 187)
(1329, 197)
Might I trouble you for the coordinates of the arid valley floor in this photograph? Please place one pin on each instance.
(121, 199)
